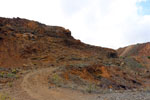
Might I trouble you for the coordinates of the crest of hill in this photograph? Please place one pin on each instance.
(135, 50)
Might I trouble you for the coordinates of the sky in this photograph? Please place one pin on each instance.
(106, 23)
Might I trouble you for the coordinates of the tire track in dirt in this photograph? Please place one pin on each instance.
(36, 85)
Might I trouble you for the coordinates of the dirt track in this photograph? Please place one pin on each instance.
(127, 50)
(36, 86)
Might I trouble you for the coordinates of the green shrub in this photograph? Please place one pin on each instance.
(14, 71)
(148, 57)
(10, 75)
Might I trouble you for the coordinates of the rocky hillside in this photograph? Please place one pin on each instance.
(140, 52)
(26, 44)
(135, 50)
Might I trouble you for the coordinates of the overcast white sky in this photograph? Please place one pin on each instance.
(107, 23)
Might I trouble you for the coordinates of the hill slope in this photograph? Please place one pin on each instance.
(141, 52)
(27, 42)
(135, 50)
(30, 44)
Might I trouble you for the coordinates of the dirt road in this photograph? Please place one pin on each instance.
(36, 85)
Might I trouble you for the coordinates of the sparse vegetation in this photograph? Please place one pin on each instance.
(132, 63)
(14, 71)
(91, 88)
(56, 79)
(8, 75)
(5, 97)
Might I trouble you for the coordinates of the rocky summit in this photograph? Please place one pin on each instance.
(49, 60)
